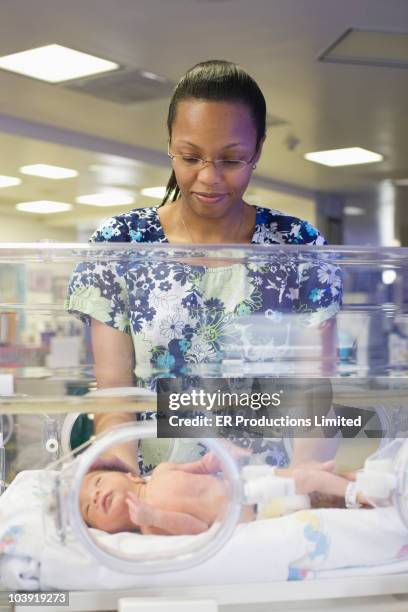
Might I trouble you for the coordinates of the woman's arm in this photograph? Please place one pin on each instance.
(113, 356)
(320, 448)
(210, 463)
(114, 363)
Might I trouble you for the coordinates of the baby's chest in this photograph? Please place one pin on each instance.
(176, 490)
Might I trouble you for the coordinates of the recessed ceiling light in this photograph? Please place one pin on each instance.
(47, 171)
(55, 63)
(109, 198)
(43, 207)
(154, 192)
(9, 181)
(344, 157)
(353, 211)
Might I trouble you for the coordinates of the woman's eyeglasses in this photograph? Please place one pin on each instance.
(197, 163)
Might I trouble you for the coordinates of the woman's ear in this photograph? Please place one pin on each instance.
(258, 153)
(259, 150)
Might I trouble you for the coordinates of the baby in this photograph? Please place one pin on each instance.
(176, 499)
(180, 499)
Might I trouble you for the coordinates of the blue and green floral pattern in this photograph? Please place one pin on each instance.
(180, 315)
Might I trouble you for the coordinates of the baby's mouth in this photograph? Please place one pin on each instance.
(107, 501)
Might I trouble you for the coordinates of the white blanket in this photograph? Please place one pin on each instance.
(302, 545)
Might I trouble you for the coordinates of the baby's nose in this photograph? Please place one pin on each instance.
(96, 497)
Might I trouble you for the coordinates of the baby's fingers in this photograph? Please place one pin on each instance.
(134, 512)
(140, 513)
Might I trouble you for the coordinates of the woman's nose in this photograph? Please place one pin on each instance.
(209, 174)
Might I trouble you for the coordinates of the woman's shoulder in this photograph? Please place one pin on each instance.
(276, 227)
(137, 225)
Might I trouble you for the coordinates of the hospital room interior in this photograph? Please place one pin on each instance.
(193, 424)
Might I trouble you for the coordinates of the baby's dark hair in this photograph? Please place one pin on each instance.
(216, 81)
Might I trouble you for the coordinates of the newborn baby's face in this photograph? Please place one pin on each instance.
(103, 500)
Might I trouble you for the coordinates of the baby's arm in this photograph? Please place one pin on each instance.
(151, 520)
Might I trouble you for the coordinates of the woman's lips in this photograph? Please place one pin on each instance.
(209, 198)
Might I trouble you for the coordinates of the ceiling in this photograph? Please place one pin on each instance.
(323, 105)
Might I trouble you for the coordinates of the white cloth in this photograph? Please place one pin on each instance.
(334, 539)
(19, 573)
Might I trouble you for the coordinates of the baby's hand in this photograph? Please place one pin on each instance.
(153, 520)
(140, 513)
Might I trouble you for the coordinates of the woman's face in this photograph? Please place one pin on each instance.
(213, 131)
(103, 500)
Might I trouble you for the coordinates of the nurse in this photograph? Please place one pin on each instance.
(144, 320)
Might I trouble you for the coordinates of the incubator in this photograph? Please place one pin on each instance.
(324, 328)
(247, 484)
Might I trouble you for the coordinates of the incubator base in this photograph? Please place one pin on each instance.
(375, 593)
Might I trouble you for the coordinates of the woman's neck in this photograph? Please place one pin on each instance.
(186, 226)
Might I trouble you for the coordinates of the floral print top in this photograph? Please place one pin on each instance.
(181, 315)
(185, 317)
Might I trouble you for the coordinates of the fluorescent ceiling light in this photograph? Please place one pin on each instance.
(43, 207)
(55, 63)
(9, 181)
(47, 171)
(154, 192)
(401, 182)
(344, 157)
(369, 48)
(353, 211)
(114, 175)
(108, 198)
